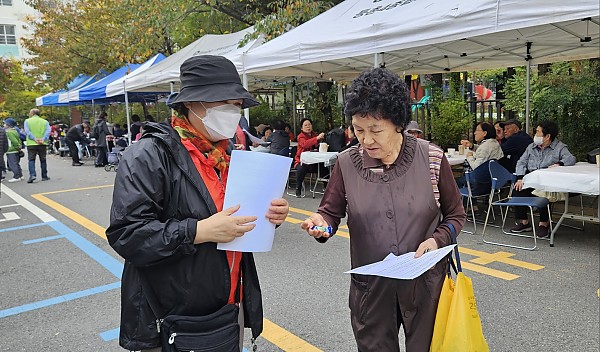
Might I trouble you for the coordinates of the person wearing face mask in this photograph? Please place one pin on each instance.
(545, 151)
(167, 214)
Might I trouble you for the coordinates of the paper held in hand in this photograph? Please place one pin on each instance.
(253, 181)
(256, 140)
(405, 266)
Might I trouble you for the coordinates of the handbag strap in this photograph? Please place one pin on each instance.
(153, 301)
(458, 267)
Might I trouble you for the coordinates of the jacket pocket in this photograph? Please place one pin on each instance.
(359, 294)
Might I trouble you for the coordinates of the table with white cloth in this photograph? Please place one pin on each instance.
(260, 149)
(327, 158)
(581, 178)
(454, 160)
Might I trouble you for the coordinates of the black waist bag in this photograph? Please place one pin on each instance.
(218, 331)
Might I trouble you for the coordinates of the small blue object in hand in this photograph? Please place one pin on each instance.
(327, 229)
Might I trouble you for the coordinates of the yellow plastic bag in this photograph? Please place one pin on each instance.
(441, 316)
(457, 324)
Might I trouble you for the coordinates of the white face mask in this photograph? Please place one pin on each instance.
(538, 140)
(221, 121)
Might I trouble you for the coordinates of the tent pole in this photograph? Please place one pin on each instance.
(127, 114)
(245, 83)
(93, 110)
(527, 86)
(294, 105)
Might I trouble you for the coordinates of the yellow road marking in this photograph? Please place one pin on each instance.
(503, 257)
(487, 271)
(284, 339)
(271, 332)
(76, 189)
(78, 218)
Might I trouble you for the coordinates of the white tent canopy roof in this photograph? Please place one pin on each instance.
(159, 77)
(116, 87)
(430, 36)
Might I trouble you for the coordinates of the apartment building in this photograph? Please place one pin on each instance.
(12, 20)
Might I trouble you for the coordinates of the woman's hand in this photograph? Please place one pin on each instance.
(278, 211)
(466, 143)
(315, 220)
(223, 227)
(519, 185)
(426, 246)
(321, 136)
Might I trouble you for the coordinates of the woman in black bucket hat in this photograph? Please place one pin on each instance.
(167, 214)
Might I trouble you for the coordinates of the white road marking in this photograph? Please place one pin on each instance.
(41, 214)
(9, 216)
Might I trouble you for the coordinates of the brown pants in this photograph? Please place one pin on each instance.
(379, 309)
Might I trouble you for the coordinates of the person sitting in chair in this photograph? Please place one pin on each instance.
(280, 140)
(307, 140)
(545, 151)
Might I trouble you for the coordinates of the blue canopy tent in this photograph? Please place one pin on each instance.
(52, 99)
(97, 90)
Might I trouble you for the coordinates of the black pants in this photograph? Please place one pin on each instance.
(302, 170)
(101, 156)
(73, 150)
(521, 212)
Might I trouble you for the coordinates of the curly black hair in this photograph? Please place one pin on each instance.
(380, 93)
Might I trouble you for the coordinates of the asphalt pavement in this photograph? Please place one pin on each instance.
(59, 278)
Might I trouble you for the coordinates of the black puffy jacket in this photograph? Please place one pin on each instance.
(158, 197)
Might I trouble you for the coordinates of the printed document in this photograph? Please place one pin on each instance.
(256, 140)
(405, 266)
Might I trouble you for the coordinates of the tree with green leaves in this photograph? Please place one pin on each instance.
(73, 37)
(17, 90)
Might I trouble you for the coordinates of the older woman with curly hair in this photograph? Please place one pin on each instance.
(400, 196)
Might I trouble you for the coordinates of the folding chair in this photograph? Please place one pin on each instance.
(292, 176)
(480, 176)
(500, 176)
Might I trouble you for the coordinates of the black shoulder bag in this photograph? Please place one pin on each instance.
(219, 331)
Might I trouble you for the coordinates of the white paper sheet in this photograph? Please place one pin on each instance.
(254, 180)
(405, 266)
(256, 140)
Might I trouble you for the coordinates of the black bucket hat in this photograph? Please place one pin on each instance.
(209, 79)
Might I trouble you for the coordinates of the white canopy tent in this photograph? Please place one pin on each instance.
(164, 76)
(430, 36)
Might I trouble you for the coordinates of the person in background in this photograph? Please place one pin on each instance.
(260, 130)
(3, 150)
(149, 118)
(516, 143)
(399, 195)
(352, 140)
(136, 126)
(267, 133)
(241, 140)
(545, 151)
(38, 133)
(280, 140)
(307, 140)
(100, 132)
(77, 133)
(487, 147)
(414, 129)
(13, 153)
(167, 214)
(288, 130)
(499, 126)
(118, 132)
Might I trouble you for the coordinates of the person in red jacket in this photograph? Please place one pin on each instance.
(307, 140)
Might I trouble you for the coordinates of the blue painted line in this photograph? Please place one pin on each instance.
(106, 260)
(110, 334)
(24, 227)
(44, 239)
(60, 299)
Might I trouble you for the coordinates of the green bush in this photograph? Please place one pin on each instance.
(450, 120)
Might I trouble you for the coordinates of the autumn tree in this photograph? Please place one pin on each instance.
(72, 37)
(17, 90)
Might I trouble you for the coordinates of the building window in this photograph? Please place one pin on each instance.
(5, 2)
(7, 34)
